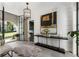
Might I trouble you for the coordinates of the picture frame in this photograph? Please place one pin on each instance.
(49, 21)
(46, 20)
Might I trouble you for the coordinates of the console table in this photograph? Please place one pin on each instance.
(51, 47)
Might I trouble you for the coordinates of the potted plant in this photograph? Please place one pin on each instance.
(73, 33)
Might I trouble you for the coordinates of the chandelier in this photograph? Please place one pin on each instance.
(27, 12)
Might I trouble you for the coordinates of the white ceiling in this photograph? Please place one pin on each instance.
(17, 7)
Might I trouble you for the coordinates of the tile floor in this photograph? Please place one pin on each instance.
(44, 53)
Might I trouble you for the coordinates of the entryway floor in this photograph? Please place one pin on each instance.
(44, 53)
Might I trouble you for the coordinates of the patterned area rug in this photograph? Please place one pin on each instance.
(39, 51)
(27, 50)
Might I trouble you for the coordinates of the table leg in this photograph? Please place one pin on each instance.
(38, 39)
(46, 41)
(59, 43)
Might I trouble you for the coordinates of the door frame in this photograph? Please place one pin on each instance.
(77, 28)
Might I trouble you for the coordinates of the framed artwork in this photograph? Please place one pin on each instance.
(46, 20)
(49, 22)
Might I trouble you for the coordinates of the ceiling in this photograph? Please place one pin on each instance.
(17, 7)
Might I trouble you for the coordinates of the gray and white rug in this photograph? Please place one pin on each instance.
(35, 51)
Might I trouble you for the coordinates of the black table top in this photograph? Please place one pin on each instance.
(55, 37)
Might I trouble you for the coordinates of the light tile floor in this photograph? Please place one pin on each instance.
(44, 53)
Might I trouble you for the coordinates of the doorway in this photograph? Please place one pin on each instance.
(31, 31)
(8, 26)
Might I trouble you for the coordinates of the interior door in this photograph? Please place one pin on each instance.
(31, 31)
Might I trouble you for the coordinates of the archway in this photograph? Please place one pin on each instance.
(10, 29)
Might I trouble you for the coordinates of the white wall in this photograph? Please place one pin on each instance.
(64, 21)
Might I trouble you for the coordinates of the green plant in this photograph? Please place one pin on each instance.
(73, 33)
(46, 31)
(9, 27)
